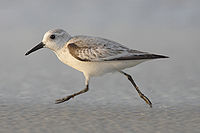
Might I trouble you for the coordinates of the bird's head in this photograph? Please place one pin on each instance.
(53, 39)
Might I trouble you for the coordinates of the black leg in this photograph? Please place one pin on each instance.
(73, 95)
(137, 89)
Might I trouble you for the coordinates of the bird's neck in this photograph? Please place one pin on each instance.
(63, 55)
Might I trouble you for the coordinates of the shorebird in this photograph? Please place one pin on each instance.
(94, 56)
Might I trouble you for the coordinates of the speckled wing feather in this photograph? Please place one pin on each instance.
(95, 49)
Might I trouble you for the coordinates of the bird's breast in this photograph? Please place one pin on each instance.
(94, 68)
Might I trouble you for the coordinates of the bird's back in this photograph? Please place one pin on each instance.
(96, 49)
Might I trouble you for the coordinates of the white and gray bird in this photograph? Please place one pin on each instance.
(93, 56)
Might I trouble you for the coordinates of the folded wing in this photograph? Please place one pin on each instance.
(95, 49)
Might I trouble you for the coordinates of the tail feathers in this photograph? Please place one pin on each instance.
(141, 57)
(155, 56)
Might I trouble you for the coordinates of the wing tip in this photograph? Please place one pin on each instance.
(160, 56)
(141, 57)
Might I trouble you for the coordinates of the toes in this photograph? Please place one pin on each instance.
(59, 101)
(63, 99)
(146, 99)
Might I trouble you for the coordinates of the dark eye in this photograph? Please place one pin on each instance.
(52, 36)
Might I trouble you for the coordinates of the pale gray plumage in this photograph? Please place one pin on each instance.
(94, 56)
(96, 49)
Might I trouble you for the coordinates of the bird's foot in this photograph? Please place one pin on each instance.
(145, 99)
(64, 99)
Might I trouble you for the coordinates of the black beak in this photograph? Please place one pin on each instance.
(39, 46)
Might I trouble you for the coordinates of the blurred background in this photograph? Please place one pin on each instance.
(29, 85)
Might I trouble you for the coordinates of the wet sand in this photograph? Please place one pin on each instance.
(85, 118)
(30, 85)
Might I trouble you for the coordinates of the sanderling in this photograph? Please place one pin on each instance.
(93, 56)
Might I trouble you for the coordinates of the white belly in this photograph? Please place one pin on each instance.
(96, 68)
